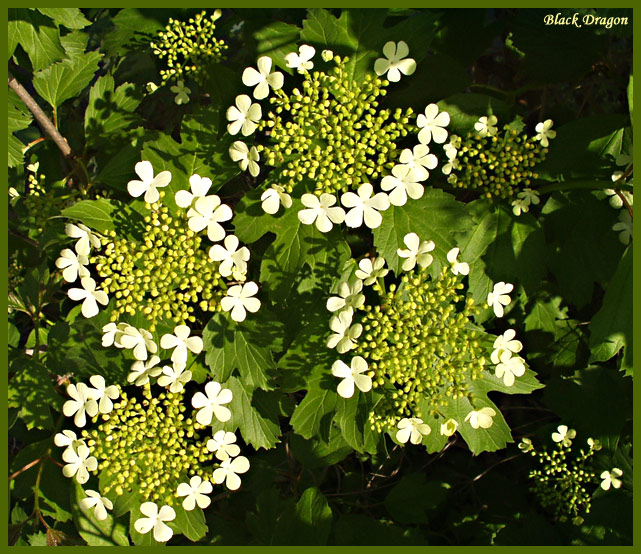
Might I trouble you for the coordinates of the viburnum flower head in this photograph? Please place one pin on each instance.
(86, 238)
(486, 126)
(301, 61)
(148, 184)
(365, 206)
(100, 504)
(199, 188)
(180, 341)
(462, 268)
(505, 343)
(344, 332)
(320, 210)
(481, 418)
(103, 394)
(403, 182)
(395, 61)
(412, 429)
(72, 265)
(273, 197)
(611, 478)
(509, 368)
(246, 157)
(432, 125)
(142, 371)
(211, 403)
(140, 341)
(82, 402)
(545, 132)
(244, 116)
(175, 377)
(196, 492)
(449, 427)
(498, 298)
(181, 91)
(79, 463)
(228, 470)
(352, 375)
(208, 212)
(349, 296)
(155, 520)
(416, 252)
(419, 158)
(240, 299)
(369, 271)
(263, 78)
(223, 445)
(230, 256)
(90, 297)
(564, 435)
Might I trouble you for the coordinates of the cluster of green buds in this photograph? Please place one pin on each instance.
(38, 203)
(189, 47)
(16, 273)
(566, 480)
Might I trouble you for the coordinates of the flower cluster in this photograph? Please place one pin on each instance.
(621, 198)
(189, 47)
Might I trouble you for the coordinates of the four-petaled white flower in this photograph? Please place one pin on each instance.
(509, 367)
(100, 504)
(505, 343)
(417, 252)
(273, 197)
(564, 435)
(263, 78)
(526, 445)
(90, 297)
(240, 299)
(228, 470)
(223, 445)
(349, 296)
(142, 371)
(320, 210)
(181, 91)
(431, 125)
(624, 227)
(452, 163)
(344, 332)
(481, 418)
(86, 238)
(499, 297)
(199, 188)
(412, 429)
(365, 206)
(524, 198)
(519, 206)
(301, 61)
(246, 157)
(419, 158)
(244, 116)
(486, 126)
(403, 182)
(353, 374)
(449, 427)
(155, 520)
(209, 212)
(370, 271)
(72, 265)
(149, 184)
(395, 61)
(79, 463)
(180, 341)
(611, 478)
(82, 402)
(112, 333)
(174, 377)
(544, 132)
(230, 256)
(196, 492)
(140, 340)
(103, 394)
(615, 199)
(457, 267)
(211, 403)
(67, 439)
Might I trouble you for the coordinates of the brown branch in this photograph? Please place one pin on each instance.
(40, 116)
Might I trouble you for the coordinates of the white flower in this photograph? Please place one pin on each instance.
(227, 472)
(351, 375)
(403, 182)
(611, 478)
(240, 298)
(544, 132)
(211, 404)
(449, 427)
(327, 55)
(246, 157)
(82, 403)
(103, 394)
(349, 296)
(230, 256)
(412, 429)
(505, 343)
(431, 125)
(155, 520)
(301, 61)
(370, 271)
(417, 252)
(520, 206)
(100, 504)
(79, 463)
(209, 212)
(365, 206)
(564, 435)
(485, 126)
(174, 377)
(526, 445)
(419, 158)
(481, 418)
(524, 198)
(199, 188)
(67, 439)
(182, 93)
(149, 184)
(509, 367)
(273, 197)
(452, 162)
(72, 265)
(223, 444)
(594, 444)
(396, 62)
(112, 333)
(624, 227)
(86, 238)
(615, 199)
(457, 267)
(344, 332)
(244, 116)
(499, 297)
(140, 340)
(263, 78)
(181, 342)
(196, 492)
(90, 297)
(320, 210)
(142, 371)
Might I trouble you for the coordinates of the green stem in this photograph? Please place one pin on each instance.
(581, 184)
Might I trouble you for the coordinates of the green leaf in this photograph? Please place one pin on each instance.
(545, 315)
(107, 532)
(38, 35)
(276, 40)
(66, 79)
(413, 496)
(71, 18)
(631, 98)
(18, 118)
(95, 214)
(466, 108)
(309, 523)
(75, 43)
(314, 453)
(189, 523)
(308, 415)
